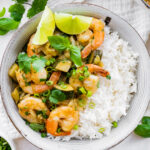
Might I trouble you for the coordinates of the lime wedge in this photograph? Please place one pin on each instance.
(45, 28)
(72, 24)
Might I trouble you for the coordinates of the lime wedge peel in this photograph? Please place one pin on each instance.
(72, 24)
(45, 28)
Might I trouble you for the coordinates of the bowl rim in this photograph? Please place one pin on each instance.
(73, 3)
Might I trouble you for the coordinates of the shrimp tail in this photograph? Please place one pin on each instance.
(97, 69)
(51, 127)
(98, 30)
(87, 50)
(96, 44)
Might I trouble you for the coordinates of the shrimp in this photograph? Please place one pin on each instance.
(37, 76)
(91, 83)
(64, 116)
(29, 107)
(36, 88)
(33, 49)
(98, 30)
(97, 69)
(85, 37)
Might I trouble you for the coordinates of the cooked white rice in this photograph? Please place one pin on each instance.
(113, 96)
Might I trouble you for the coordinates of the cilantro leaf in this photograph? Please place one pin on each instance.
(20, 1)
(57, 96)
(17, 11)
(38, 63)
(7, 24)
(24, 62)
(37, 6)
(2, 13)
(37, 127)
(75, 55)
(59, 43)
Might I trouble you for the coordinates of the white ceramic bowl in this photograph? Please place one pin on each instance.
(138, 104)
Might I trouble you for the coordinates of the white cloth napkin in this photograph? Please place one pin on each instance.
(137, 16)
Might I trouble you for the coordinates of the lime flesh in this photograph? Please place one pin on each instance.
(72, 24)
(45, 28)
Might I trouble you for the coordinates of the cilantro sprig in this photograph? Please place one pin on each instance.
(16, 11)
(62, 43)
(37, 6)
(56, 96)
(25, 62)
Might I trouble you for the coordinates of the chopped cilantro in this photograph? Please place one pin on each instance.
(25, 62)
(27, 113)
(81, 78)
(57, 96)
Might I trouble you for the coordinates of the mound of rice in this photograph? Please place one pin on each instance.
(113, 96)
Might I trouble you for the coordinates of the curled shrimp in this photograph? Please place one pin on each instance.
(28, 108)
(97, 69)
(64, 116)
(36, 88)
(98, 30)
(33, 49)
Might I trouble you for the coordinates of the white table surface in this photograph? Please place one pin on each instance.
(132, 142)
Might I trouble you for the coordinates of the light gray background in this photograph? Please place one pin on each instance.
(132, 142)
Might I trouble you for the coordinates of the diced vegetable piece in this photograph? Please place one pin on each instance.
(15, 95)
(68, 87)
(12, 71)
(97, 60)
(91, 58)
(63, 65)
(95, 57)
